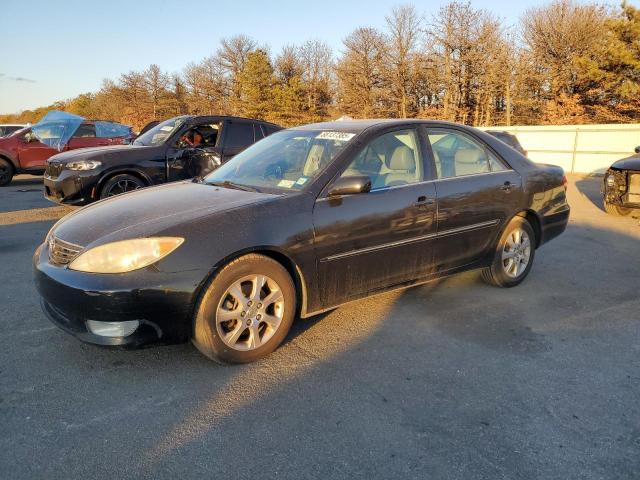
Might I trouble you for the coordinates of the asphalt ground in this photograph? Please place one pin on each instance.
(452, 380)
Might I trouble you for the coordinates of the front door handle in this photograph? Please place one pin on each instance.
(507, 186)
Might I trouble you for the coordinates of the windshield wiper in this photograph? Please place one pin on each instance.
(237, 186)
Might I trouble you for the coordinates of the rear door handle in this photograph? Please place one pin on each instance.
(424, 201)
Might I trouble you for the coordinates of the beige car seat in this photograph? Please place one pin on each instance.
(470, 161)
(402, 166)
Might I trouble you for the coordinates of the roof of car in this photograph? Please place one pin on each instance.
(228, 117)
(357, 126)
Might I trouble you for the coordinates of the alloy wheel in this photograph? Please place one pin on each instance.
(250, 312)
(516, 253)
(122, 186)
(5, 172)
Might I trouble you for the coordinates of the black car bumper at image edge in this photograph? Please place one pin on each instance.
(71, 298)
(69, 190)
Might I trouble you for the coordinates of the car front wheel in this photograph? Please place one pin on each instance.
(6, 172)
(246, 311)
(513, 255)
(616, 210)
(120, 184)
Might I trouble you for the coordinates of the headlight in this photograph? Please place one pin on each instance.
(125, 256)
(611, 181)
(83, 165)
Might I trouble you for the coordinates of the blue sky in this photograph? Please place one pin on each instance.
(55, 49)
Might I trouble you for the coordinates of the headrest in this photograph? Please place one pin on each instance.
(402, 159)
(468, 155)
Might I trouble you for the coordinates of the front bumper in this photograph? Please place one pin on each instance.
(161, 302)
(625, 191)
(71, 188)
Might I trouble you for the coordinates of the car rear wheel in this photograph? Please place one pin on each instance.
(513, 255)
(246, 311)
(120, 184)
(6, 172)
(616, 210)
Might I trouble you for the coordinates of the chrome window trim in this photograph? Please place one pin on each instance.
(474, 175)
(424, 182)
(407, 241)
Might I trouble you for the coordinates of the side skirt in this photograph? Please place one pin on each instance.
(402, 286)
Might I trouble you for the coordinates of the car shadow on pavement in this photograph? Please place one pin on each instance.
(590, 187)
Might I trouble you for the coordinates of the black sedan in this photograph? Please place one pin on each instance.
(621, 187)
(176, 149)
(299, 223)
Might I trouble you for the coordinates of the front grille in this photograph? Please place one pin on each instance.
(53, 169)
(61, 252)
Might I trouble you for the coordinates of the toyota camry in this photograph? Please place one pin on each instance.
(299, 223)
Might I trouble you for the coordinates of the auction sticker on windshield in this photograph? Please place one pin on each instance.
(339, 136)
(286, 183)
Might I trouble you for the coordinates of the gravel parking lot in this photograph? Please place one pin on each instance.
(453, 380)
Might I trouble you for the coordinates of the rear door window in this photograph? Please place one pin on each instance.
(85, 131)
(456, 154)
(270, 129)
(239, 135)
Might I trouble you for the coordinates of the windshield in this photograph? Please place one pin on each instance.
(285, 161)
(160, 132)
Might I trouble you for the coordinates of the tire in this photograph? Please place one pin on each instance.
(6, 172)
(502, 272)
(226, 319)
(616, 210)
(119, 184)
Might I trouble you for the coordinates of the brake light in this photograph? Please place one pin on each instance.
(565, 182)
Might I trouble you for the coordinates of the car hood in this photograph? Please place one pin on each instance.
(150, 211)
(101, 153)
(629, 163)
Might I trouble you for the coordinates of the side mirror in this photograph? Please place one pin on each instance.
(350, 185)
(637, 149)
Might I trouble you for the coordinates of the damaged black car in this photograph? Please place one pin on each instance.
(621, 186)
(176, 149)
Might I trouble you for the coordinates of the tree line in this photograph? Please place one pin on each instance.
(563, 63)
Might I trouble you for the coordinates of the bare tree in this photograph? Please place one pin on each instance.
(317, 68)
(233, 54)
(156, 83)
(360, 74)
(403, 25)
(558, 33)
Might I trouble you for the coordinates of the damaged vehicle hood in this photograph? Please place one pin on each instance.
(629, 163)
(102, 154)
(149, 211)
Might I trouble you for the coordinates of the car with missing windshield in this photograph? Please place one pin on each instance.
(27, 150)
(301, 222)
(176, 149)
(621, 186)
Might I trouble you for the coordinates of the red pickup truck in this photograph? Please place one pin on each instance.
(27, 150)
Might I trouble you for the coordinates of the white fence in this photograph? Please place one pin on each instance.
(577, 148)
